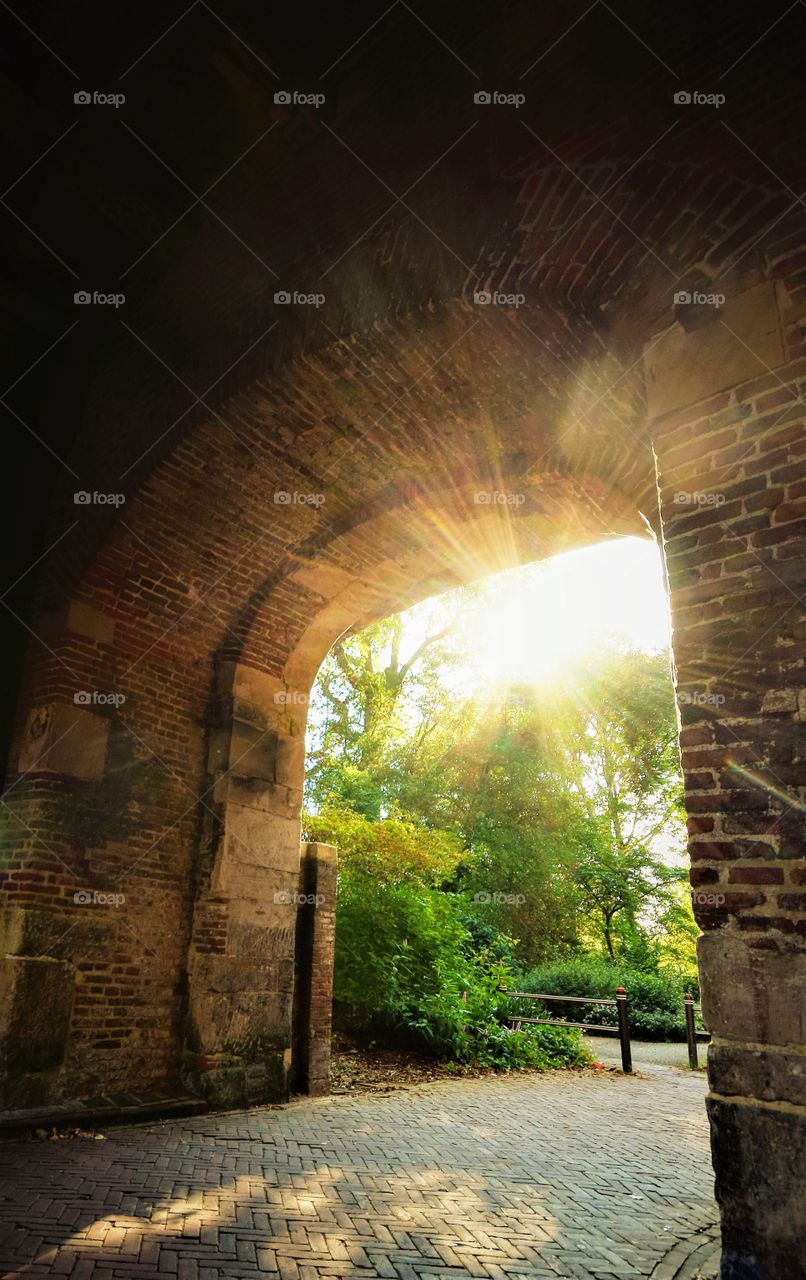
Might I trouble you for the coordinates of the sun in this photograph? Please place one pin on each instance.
(533, 623)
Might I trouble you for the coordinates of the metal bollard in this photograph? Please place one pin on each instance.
(691, 1030)
(623, 1029)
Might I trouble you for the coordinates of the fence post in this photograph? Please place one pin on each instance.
(691, 1030)
(623, 1029)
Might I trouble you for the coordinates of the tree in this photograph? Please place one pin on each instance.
(622, 760)
(567, 800)
(371, 705)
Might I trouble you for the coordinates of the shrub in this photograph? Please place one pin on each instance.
(655, 999)
(412, 965)
(467, 1025)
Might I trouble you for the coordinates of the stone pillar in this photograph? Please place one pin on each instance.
(313, 989)
(730, 442)
(242, 953)
(59, 754)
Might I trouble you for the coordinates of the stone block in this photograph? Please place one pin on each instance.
(65, 739)
(36, 1001)
(265, 933)
(750, 995)
(228, 1084)
(257, 838)
(290, 761)
(235, 1007)
(80, 619)
(770, 1074)
(253, 751)
(259, 854)
(683, 368)
(759, 1154)
(256, 696)
(257, 793)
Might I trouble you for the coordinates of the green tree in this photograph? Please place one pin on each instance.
(561, 806)
(621, 758)
(374, 706)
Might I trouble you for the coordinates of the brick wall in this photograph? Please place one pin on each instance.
(205, 604)
(731, 474)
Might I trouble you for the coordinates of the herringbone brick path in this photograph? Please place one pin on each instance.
(572, 1176)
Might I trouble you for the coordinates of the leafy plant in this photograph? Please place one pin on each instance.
(655, 998)
(475, 832)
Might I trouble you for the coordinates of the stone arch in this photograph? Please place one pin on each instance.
(384, 563)
(205, 597)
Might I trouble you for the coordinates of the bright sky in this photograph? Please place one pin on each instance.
(529, 623)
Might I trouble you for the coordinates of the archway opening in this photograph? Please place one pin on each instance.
(498, 766)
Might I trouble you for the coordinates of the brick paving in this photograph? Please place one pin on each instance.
(572, 1176)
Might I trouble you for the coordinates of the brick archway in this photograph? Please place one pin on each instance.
(209, 760)
(610, 407)
(395, 556)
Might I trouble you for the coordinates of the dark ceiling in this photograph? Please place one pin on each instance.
(104, 197)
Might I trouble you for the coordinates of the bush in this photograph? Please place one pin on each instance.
(412, 965)
(467, 1025)
(655, 999)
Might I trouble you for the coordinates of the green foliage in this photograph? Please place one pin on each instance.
(476, 831)
(654, 996)
(463, 1020)
(408, 961)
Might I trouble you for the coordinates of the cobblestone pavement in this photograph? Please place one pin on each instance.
(563, 1175)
